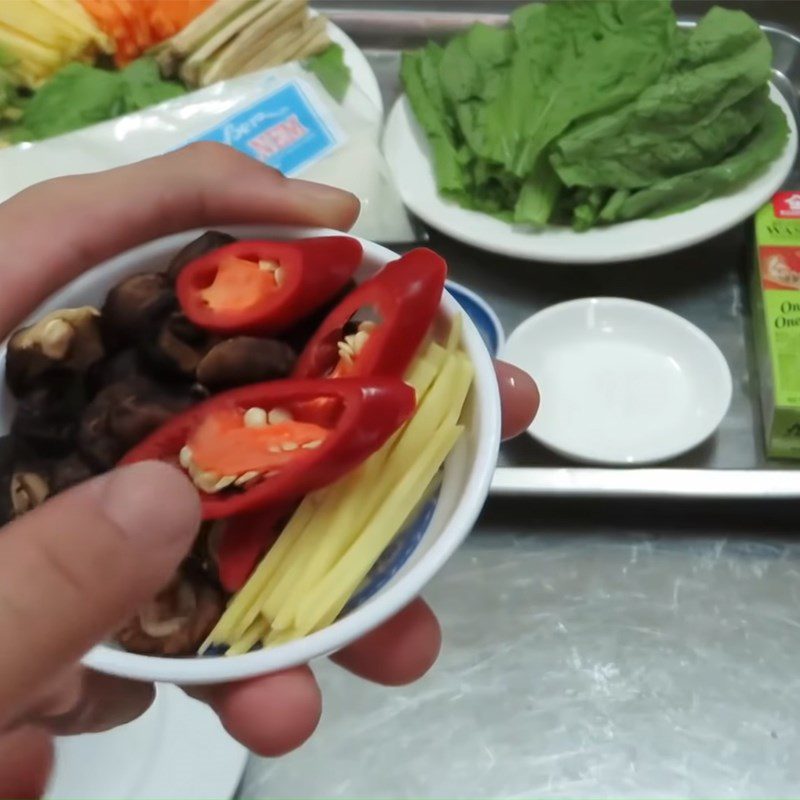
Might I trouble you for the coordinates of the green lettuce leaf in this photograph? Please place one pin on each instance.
(686, 191)
(711, 99)
(420, 74)
(590, 112)
(79, 95)
(331, 71)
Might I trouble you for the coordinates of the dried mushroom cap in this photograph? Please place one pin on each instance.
(121, 415)
(209, 241)
(24, 479)
(133, 304)
(28, 489)
(243, 360)
(68, 472)
(174, 347)
(67, 339)
(123, 365)
(47, 416)
(177, 620)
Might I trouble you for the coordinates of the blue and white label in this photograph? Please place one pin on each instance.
(288, 129)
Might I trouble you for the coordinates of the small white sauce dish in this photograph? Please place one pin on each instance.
(622, 382)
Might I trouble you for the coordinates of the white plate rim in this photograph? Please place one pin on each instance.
(625, 241)
(182, 724)
(522, 332)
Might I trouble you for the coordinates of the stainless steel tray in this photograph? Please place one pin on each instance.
(705, 284)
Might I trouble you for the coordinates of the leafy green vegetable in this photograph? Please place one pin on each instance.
(706, 104)
(143, 86)
(692, 188)
(332, 72)
(595, 111)
(79, 95)
(420, 74)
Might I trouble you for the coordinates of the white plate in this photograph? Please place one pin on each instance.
(622, 382)
(408, 155)
(178, 749)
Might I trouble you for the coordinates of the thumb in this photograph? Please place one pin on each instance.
(78, 566)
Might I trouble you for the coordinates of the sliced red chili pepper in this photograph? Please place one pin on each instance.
(268, 443)
(244, 541)
(265, 287)
(405, 295)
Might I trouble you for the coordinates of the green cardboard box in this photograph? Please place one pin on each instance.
(776, 321)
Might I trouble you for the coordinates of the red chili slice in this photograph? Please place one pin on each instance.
(405, 295)
(240, 466)
(245, 539)
(265, 287)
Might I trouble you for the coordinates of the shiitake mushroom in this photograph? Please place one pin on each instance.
(48, 415)
(122, 414)
(177, 620)
(68, 472)
(25, 480)
(122, 365)
(209, 241)
(204, 555)
(68, 339)
(134, 303)
(172, 346)
(245, 359)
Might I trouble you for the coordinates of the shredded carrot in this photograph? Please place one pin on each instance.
(137, 25)
(238, 285)
(222, 444)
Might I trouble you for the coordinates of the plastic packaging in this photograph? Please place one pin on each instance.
(283, 117)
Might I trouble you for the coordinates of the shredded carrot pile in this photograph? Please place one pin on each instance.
(137, 25)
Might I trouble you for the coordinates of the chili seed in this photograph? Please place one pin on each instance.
(246, 478)
(287, 447)
(367, 326)
(280, 276)
(278, 415)
(185, 457)
(267, 266)
(224, 483)
(255, 418)
(359, 340)
(206, 481)
(312, 445)
(274, 448)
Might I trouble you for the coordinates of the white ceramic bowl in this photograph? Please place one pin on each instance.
(622, 382)
(411, 561)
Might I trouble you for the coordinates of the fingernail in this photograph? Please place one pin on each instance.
(152, 502)
(335, 208)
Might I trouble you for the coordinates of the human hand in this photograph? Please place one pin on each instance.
(74, 568)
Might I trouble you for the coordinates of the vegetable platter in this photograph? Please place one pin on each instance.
(66, 64)
(591, 133)
(337, 413)
(706, 283)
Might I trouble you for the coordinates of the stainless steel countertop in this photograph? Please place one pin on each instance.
(590, 649)
(579, 665)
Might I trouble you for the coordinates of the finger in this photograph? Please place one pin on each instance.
(102, 702)
(75, 568)
(104, 213)
(400, 651)
(519, 397)
(272, 715)
(26, 761)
